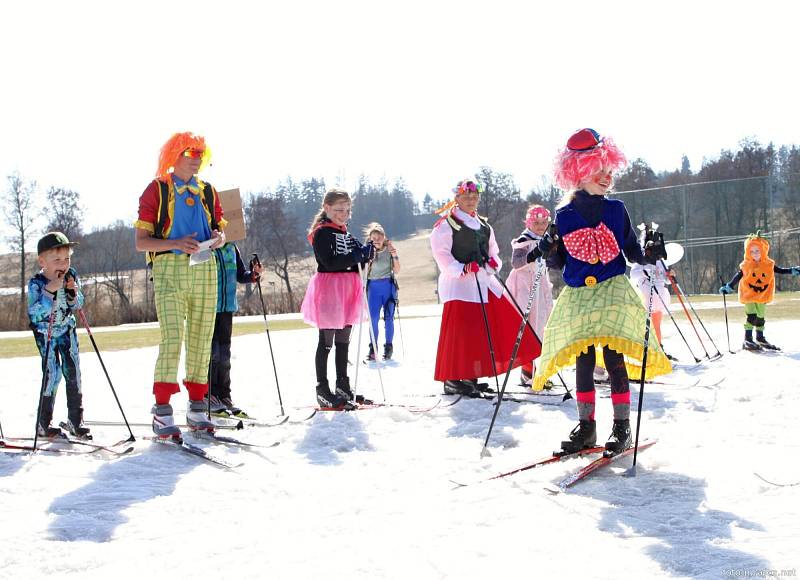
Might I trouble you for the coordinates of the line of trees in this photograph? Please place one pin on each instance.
(735, 193)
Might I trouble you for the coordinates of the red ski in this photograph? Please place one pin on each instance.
(598, 463)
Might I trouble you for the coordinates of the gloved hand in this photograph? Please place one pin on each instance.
(365, 253)
(471, 268)
(533, 255)
(69, 287)
(795, 270)
(651, 256)
(493, 263)
(726, 289)
(548, 241)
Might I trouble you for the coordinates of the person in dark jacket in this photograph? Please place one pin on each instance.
(230, 270)
(598, 308)
(334, 299)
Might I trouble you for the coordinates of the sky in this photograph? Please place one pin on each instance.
(426, 90)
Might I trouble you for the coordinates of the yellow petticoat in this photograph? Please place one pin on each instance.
(607, 314)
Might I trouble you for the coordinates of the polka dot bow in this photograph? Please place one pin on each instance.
(592, 244)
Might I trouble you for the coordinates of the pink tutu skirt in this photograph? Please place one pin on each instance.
(334, 300)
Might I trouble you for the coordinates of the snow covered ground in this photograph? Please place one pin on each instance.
(368, 494)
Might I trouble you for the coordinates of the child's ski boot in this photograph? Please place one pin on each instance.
(325, 398)
(582, 436)
(344, 391)
(620, 438)
(763, 342)
(388, 351)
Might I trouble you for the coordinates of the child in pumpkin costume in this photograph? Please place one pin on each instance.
(598, 308)
(756, 279)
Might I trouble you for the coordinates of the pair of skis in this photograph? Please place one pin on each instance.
(21, 444)
(604, 460)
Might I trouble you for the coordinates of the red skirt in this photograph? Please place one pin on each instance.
(463, 351)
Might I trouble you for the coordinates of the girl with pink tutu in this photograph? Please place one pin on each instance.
(334, 299)
(521, 279)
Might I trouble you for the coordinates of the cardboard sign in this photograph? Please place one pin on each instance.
(231, 201)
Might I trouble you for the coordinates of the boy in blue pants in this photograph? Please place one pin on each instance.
(56, 291)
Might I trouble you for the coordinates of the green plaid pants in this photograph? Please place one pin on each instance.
(184, 295)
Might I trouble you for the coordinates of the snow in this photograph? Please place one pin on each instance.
(369, 494)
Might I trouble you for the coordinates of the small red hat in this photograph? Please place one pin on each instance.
(584, 140)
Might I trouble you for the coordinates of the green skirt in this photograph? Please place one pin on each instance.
(607, 314)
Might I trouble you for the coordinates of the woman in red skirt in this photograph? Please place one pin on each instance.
(467, 254)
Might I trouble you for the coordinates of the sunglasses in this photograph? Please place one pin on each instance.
(469, 187)
(193, 153)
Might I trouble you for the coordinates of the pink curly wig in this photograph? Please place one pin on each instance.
(177, 144)
(573, 167)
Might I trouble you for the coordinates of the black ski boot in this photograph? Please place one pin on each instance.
(388, 351)
(763, 342)
(327, 399)
(45, 417)
(584, 435)
(370, 354)
(466, 388)
(620, 438)
(343, 390)
(749, 343)
(75, 425)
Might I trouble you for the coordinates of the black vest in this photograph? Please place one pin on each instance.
(469, 245)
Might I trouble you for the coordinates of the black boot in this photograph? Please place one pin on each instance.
(343, 390)
(763, 342)
(75, 425)
(584, 435)
(749, 343)
(45, 417)
(75, 416)
(466, 388)
(370, 354)
(388, 351)
(327, 399)
(620, 438)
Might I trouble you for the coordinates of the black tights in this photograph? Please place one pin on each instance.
(615, 365)
(327, 338)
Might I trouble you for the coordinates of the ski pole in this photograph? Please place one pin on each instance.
(672, 318)
(725, 310)
(397, 311)
(700, 320)
(534, 290)
(488, 332)
(269, 340)
(373, 340)
(45, 369)
(108, 378)
(646, 343)
(678, 293)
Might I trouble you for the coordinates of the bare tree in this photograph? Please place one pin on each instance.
(63, 212)
(19, 207)
(278, 234)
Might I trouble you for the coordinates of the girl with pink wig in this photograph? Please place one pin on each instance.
(598, 308)
(521, 280)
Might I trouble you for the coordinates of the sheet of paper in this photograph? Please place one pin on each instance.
(203, 254)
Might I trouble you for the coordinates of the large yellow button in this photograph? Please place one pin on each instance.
(594, 260)
(590, 280)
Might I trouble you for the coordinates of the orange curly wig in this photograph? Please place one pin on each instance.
(177, 144)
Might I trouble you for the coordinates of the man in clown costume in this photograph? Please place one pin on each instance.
(599, 308)
(178, 212)
(756, 279)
